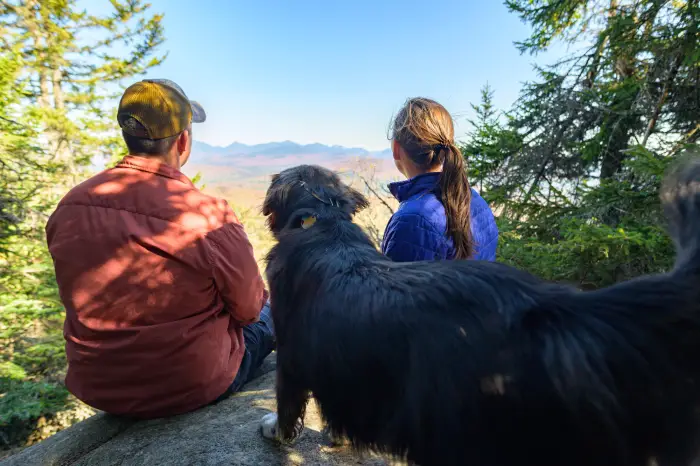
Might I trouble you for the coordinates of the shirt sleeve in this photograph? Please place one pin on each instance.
(411, 237)
(236, 273)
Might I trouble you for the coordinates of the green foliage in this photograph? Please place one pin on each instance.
(631, 79)
(587, 254)
(21, 167)
(59, 75)
(552, 19)
(72, 73)
(490, 145)
(32, 355)
(196, 179)
(614, 232)
(11, 371)
(574, 167)
(26, 400)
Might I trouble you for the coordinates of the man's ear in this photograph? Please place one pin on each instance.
(183, 141)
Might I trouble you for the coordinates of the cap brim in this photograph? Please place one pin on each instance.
(198, 113)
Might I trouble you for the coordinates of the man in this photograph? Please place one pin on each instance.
(162, 293)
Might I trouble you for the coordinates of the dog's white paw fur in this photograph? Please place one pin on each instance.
(268, 426)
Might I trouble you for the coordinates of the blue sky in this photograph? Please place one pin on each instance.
(335, 72)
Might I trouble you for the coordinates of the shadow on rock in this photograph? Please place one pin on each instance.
(225, 433)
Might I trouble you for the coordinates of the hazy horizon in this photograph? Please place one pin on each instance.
(291, 142)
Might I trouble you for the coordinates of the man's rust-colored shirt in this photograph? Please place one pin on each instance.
(157, 280)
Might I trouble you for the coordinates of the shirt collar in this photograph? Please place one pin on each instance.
(403, 190)
(155, 166)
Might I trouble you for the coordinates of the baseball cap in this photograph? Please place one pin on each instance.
(160, 106)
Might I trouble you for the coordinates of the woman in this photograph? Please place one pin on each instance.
(440, 216)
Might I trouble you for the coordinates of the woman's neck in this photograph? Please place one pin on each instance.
(411, 171)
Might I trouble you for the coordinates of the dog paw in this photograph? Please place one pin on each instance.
(269, 428)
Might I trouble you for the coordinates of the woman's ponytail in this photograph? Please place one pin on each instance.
(456, 197)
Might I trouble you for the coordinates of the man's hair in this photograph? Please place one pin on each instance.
(137, 145)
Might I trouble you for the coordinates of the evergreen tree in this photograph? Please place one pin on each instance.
(15, 151)
(633, 85)
(59, 76)
(578, 184)
(71, 72)
(489, 145)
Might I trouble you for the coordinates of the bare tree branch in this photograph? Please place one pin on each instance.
(374, 192)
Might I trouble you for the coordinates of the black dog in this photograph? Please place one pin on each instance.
(466, 362)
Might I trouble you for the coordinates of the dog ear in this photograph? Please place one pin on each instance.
(271, 202)
(358, 201)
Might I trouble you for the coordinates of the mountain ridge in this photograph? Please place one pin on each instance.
(283, 148)
(250, 165)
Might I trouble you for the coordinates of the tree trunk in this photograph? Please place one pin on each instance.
(49, 75)
(618, 130)
(31, 23)
(58, 140)
(58, 98)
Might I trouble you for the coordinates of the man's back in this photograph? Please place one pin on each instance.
(157, 279)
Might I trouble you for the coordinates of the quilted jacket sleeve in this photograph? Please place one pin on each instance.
(487, 252)
(410, 237)
(236, 273)
(484, 229)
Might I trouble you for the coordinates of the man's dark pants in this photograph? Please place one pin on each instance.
(259, 342)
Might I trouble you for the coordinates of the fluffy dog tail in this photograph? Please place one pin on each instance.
(627, 355)
(680, 197)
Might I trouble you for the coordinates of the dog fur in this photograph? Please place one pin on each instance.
(468, 362)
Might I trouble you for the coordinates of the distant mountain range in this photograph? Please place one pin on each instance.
(280, 149)
(243, 165)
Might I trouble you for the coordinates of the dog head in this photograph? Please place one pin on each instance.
(299, 195)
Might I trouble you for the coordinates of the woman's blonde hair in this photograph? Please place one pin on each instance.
(424, 129)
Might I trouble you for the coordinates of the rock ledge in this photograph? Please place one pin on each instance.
(226, 433)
